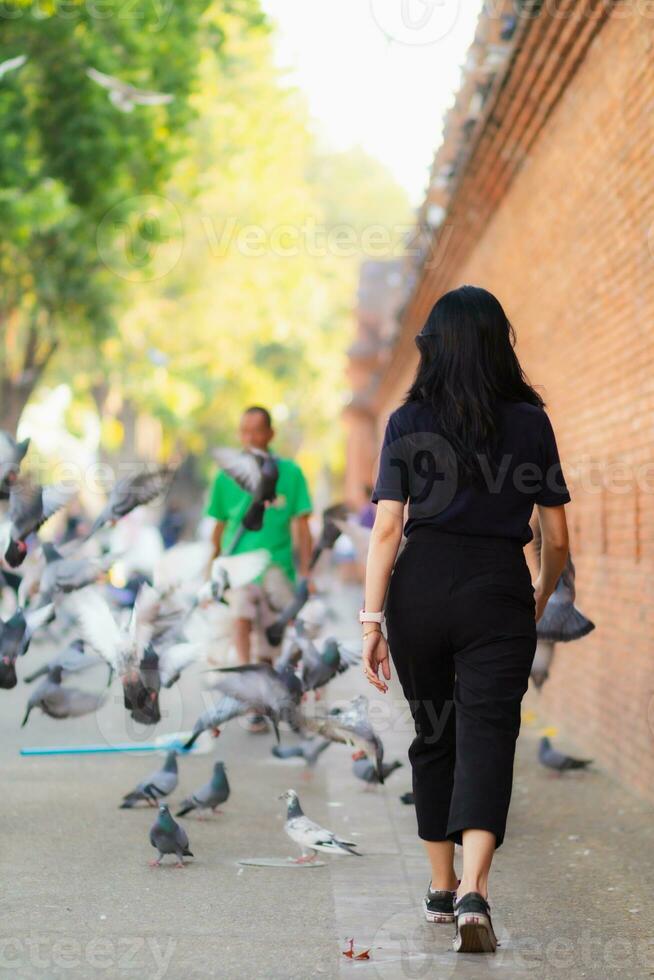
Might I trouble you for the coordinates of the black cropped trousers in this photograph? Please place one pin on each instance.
(460, 615)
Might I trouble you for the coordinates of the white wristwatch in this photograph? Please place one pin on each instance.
(371, 617)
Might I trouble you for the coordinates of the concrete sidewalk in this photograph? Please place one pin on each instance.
(571, 891)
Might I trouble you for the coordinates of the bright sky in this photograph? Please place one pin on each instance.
(378, 73)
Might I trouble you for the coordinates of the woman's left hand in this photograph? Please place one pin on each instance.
(375, 655)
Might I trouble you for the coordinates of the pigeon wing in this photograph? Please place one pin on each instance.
(99, 630)
(243, 467)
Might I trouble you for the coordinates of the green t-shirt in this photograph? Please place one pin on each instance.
(228, 503)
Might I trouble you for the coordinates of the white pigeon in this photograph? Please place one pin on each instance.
(310, 836)
(232, 572)
(12, 64)
(124, 96)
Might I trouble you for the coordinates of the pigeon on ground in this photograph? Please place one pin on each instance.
(549, 757)
(351, 727)
(12, 453)
(131, 492)
(71, 659)
(310, 750)
(58, 701)
(169, 838)
(540, 668)
(264, 690)
(124, 96)
(232, 572)
(210, 796)
(11, 64)
(364, 769)
(127, 649)
(226, 709)
(15, 636)
(30, 506)
(310, 836)
(158, 784)
(408, 799)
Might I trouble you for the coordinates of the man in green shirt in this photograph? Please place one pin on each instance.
(288, 514)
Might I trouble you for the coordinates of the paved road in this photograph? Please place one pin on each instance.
(571, 893)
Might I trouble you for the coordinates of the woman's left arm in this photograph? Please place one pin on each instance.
(385, 541)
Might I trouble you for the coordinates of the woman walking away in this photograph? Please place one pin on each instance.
(471, 451)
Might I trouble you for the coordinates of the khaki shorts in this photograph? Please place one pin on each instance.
(262, 603)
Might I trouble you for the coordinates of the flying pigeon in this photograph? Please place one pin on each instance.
(30, 506)
(256, 472)
(158, 784)
(351, 727)
(275, 632)
(226, 709)
(310, 750)
(12, 453)
(330, 533)
(319, 668)
(169, 838)
(364, 769)
(15, 636)
(310, 836)
(124, 96)
(549, 757)
(71, 659)
(58, 701)
(232, 572)
(210, 796)
(131, 492)
(127, 649)
(264, 690)
(11, 64)
(63, 574)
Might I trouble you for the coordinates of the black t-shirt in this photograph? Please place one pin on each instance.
(417, 464)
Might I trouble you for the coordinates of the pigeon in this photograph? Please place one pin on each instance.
(561, 621)
(319, 669)
(275, 632)
(11, 64)
(15, 636)
(63, 574)
(58, 701)
(226, 709)
(364, 769)
(158, 784)
(169, 838)
(310, 750)
(232, 572)
(127, 649)
(256, 472)
(71, 659)
(30, 506)
(540, 668)
(131, 492)
(351, 727)
(124, 96)
(12, 453)
(330, 533)
(209, 796)
(264, 690)
(310, 836)
(549, 757)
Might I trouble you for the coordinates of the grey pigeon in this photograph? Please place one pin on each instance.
(351, 727)
(257, 473)
(549, 757)
(68, 574)
(158, 784)
(58, 701)
(169, 838)
(264, 690)
(310, 836)
(226, 709)
(12, 454)
(542, 662)
(30, 506)
(131, 492)
(561, 621)
(329, 534)
(71, 659)
(209, 796)
(365, 770)
(319, 668)
(15, 636)
(310, 750)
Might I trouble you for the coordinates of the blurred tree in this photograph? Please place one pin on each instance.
(74, 168)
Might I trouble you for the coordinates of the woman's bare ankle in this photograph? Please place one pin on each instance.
(444, 883)
(473, 884)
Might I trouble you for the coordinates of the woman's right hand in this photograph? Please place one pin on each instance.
(375, 655)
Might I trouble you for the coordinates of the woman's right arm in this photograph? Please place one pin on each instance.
(553, 555)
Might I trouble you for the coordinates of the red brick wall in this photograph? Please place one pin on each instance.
(570, 254)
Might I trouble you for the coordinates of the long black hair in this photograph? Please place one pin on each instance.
(467, 363)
